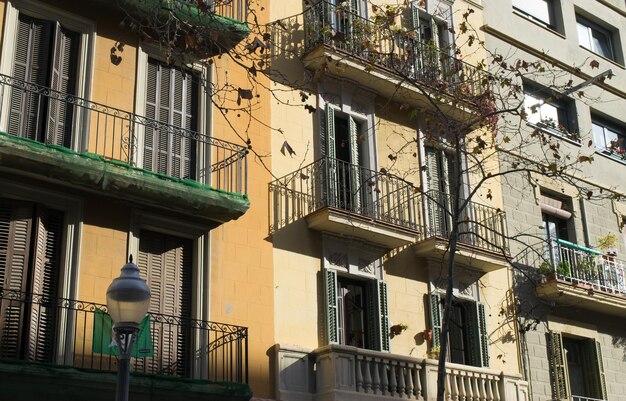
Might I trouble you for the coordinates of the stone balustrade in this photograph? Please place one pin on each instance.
(344, 373)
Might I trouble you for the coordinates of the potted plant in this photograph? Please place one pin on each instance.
(564, 268)
(433, 352)
(397, 329)
(428, 334)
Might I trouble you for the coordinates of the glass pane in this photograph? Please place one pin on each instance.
(598, 136)
(583, 35)
(550, 115)
(539, 9)
(531, 104)
(602, 43)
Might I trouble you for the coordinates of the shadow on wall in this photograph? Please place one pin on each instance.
(620, 342)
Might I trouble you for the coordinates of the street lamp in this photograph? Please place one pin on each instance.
(128, 300)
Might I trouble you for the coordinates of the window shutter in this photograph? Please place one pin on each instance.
(15, 232)
(171, 99)
(322, 118)
(166, 262)
(31, 63)
(436, 198)
(332, 315)
(377, 316)
(355, 190)
(44, 276)
(435, 318)
(63, 78)
(473, 332)
(558, 366)
(483, 334)
(594, 369)
(331, 159)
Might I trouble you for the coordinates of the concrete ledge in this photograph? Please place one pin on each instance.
(583, 296)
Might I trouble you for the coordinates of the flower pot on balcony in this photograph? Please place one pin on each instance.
(397, 329)
(428, 335)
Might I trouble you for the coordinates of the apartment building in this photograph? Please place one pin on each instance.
(109, 150)
(359, 218)
(569, 277)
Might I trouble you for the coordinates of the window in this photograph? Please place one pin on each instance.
(344, 149)
(541, 11)
(30, 267)
(576, 367)
(468, 337)
(440, 179)
(172, 96)
(609, 138)
(550, 113)
(166, 262)
(595, 38)
(355, 296)
(45, 55)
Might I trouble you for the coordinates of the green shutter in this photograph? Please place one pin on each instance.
(331, 158)
(355, 190)
(330, 296)
(435, 318)
(436, 198)
(378, 316)
(558, 366)
(594, 368)
(483, 334)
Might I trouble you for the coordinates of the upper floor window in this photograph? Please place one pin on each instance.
(548, 112)
(595, 38)
(541, 11)
(576, 367)
(609, 138)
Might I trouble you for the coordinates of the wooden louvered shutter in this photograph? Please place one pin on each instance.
(44, 283)
(151, 135)
(594, 369)
(332, 313)
(15, 232)
(435, 318)
(478, 337)
(378, 316)
(31, 64)
(436, 199)
(63, 79)
(355, 160)
(171, 99)
(558, 366)
(331, 158)
(167, 262)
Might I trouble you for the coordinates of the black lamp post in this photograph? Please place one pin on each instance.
(128, 300)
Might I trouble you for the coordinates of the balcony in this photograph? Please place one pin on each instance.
(65, 342)
(65, 138)
(382, 60)
(223, 21)
(337, 372)
(575, 275)
(336, 196)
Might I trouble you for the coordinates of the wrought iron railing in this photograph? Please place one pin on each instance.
(576, 264)
(74, 333)
(401, 53)
(384, 198)
(52, 117)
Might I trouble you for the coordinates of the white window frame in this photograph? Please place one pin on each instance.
(601, 124)
(87, 31)
(205, 108)
(72, 209)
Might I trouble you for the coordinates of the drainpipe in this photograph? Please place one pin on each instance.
(583, 217)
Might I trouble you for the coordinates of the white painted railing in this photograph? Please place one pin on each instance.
(387, 374)
(468, 385)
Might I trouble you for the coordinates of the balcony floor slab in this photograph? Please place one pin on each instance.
(582, 295)
(22, 380)
(91, 172)
(470, 256)
(353, 225)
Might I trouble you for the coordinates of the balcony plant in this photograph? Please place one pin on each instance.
(397, 329)
(564, 268)
(433, 352)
